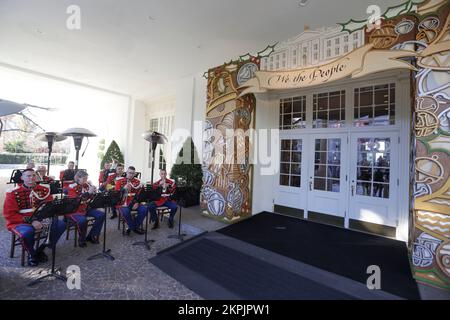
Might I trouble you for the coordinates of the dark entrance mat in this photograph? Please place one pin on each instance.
(341, 251)
(242, 275)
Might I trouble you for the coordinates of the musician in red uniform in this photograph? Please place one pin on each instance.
(41, 175)
(81, 188)
(130, 187)
(20, 203)
(67, 175)
(167, 189)
(111, 182)
(103, 177)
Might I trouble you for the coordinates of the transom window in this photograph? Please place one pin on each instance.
(327, 164)
(290, 165)
(293, 113)
(329, 109)
(374, 105)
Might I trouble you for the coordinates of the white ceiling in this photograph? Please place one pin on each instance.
(141, 47)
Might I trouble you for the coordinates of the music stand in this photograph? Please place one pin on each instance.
(51, 210)
(146, 195)
(104, 200)
(179, 197)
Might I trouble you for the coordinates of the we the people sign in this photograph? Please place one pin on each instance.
(358, 63)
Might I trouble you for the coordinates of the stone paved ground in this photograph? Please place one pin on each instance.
(130, 276)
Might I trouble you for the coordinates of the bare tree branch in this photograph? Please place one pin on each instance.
(28, 119)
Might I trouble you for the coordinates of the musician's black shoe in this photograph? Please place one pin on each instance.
(138, 231)
(113, 216)
(92, 239)
(82, 244)
(32, 261)
(128, 231)
(170, 224)
(155, 226)
(40, 254)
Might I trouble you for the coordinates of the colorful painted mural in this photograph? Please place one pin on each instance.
(424, 27)
(227, 184)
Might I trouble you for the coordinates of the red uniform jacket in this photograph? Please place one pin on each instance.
(131, 187)
(66, 183)
(165, 194)
(102, 179)
(111, 180)
(75, 190)
(21, 202)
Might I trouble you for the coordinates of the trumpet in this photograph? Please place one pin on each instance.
(91, 188)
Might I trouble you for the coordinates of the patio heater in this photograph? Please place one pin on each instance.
(51, 138)
(78, 135)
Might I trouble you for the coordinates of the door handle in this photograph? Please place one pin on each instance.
(310, 185)
(353, 190)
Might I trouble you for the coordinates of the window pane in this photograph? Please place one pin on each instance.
(364, 173)
(321, 144)
(366, 98)
(295, 168)
(334, 172)
(364, 189)
(284, 168)
(334, 145)
(297, 145)
(365, 159)
(296, 157)
(333, 185)
(320, 184)
(295, 181)
(284, 180)
(320, 171)
(297, 107)
(285, 156)
(380, 190)
(285, 144)
(320, 158)
(334, 158)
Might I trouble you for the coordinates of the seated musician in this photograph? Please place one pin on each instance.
(41, 175)
(103, 177)
(130, 186)
(18, 174)
(167, 189)
(81, 188)
(113, 176)
(20, 203)
(67, 175)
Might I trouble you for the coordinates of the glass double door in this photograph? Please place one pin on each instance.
(348, 175)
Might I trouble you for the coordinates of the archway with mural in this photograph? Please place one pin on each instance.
(413, 36)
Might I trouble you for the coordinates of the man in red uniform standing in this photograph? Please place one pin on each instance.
(130, 187)
(20, 203)
(167, 189)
